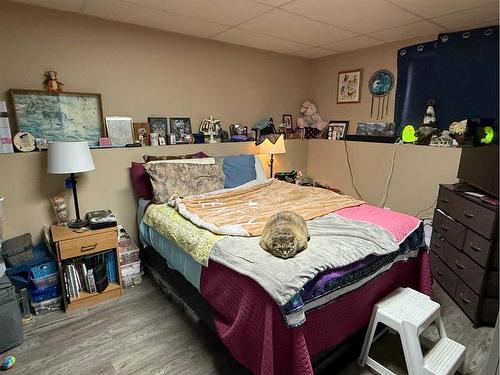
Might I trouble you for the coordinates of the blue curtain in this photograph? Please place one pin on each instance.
(459, 71)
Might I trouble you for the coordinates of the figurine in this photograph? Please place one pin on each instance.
(312, 118)
(430, 113)
(52, 81)
(458, 131)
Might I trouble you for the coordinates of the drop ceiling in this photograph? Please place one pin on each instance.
(307, 28)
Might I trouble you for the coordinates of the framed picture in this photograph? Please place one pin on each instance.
(158, 125)
(349, 86)
(339, 127)
(287, 120)
(120, 130)
(141, 133)
(58, 116)
(238, 129)
(379, 129)
(180, 127)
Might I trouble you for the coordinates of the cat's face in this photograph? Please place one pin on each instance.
(284, 246)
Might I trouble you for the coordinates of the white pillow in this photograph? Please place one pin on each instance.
(260, 174)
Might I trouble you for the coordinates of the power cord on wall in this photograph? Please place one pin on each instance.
(391, 171)
(426, 209)
(350, 170)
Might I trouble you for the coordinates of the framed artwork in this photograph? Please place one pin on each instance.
(339, 127)
(120, 130)
(238, 129)
(349, 86)
(287, 120)
(141, 133)
(381, 129)
(180, 127)
(58, 116)
(158, 125)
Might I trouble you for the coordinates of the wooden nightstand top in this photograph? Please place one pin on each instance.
(60, 233)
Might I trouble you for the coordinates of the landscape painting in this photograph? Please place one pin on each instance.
(58, 116)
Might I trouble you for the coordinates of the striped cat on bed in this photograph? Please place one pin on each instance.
(284, 235)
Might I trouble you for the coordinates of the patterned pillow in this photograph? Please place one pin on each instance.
(197, 155)
(183, 179)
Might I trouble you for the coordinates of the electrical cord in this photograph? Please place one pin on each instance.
(389, 177)
(426, 209)
(350, 170)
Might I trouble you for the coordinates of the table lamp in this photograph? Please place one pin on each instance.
(72, 158)
(271, 144)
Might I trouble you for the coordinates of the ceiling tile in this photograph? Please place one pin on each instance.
(433, 8)
(414, 30)
(250, 39)
(468, 17)
(313, 53)
(361, 16)
(126, 12)
(353, 43)
(292, 27)
(65, 5)
(224, 12)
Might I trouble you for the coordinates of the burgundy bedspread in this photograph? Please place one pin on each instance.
(250, 324)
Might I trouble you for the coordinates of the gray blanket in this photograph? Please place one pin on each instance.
(335, 242)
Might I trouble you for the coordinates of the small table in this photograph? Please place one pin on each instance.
(72, 245)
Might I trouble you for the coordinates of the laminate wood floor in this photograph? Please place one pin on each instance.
(143, 332)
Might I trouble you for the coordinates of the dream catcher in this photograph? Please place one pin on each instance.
(380, 86)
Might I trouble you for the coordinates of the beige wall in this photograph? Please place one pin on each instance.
(418, 170)
(27, 187)
(142, 72)
(324, 77)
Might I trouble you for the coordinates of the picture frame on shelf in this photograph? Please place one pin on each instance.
(339, 127)
(180, 127)
(158, 125)
(120, 130)
(238, 129)
(58, 116)
(141, 133)
(288, 122)
(349, 86)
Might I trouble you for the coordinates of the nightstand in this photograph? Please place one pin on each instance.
(72, 245)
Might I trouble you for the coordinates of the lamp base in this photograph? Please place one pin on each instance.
(78, 223)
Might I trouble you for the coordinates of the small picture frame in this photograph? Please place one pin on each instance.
(238, 129)
(141, 133)
(161, 141)
(180, 127)
(339, 127)
(158, 125)
(349, 86)
(120, 130)
(287, 121)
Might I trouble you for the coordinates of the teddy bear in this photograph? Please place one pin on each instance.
(52, 81)
(312, 118)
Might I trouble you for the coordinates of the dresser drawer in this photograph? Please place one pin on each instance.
(453, 231)
(477, 247)
(478, 218)
(466, 299)
(443, 275)
(446, 200)
(442, 248)
(468, 271)
(87, 245)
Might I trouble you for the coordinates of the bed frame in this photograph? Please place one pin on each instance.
(197, 308)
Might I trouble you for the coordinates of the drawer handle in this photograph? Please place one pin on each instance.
(439, 272)
(475, 248)
(88, 247)
(461, 266)
(468, 215)
(444, 200)
(436, 245)
(445, 228)
(464, 299)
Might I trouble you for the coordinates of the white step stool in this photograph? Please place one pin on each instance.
(409, 313)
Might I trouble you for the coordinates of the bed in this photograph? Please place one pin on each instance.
(292, 328)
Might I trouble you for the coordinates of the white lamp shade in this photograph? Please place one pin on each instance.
(268, 147)
(69, 157)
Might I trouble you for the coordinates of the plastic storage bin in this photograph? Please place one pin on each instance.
(18, 250)
(132, 280)
(47, 281)
(39, 295)
(130, 269)
(129, 255)
(47, 306)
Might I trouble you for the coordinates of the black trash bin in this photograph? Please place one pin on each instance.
(11, 329)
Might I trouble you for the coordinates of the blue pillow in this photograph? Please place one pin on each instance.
(238, 170)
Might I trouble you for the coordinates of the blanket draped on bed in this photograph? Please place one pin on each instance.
(244, 211)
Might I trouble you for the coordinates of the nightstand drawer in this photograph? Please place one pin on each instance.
(87, 245)
(453, 231)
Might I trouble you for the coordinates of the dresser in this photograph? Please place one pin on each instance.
(464, 253)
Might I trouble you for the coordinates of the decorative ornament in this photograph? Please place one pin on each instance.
(52, 82)
(409, 134)
(210, 127)
(8, 362)
(380, 85)
(430, 113)
(489, 134)
(24, 142)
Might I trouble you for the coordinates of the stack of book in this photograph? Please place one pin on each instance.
(91, 274)
(130, 263)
